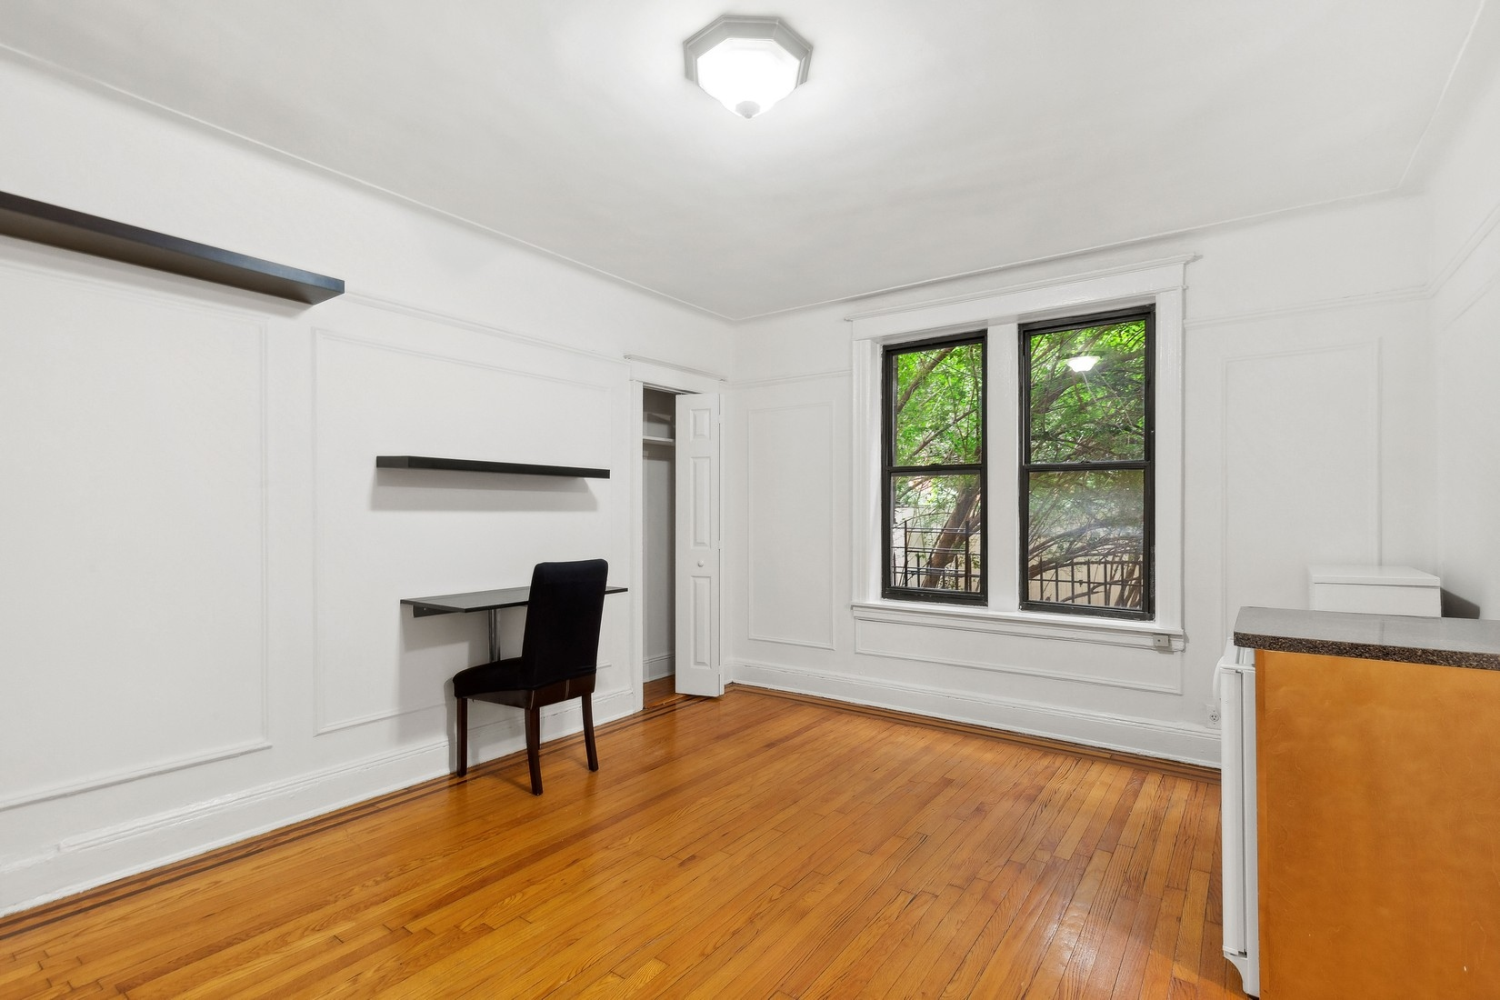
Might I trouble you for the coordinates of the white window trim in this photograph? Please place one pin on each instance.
(1158, 283)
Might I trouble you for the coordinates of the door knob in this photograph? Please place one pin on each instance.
(700, 562)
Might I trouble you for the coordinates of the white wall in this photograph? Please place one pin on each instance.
(201, 565)
(1465, 192)
(1308, 426)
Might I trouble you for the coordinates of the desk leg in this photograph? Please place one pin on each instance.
(494, 634)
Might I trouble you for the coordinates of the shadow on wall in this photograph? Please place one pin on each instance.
(426, 489)
(1458, 607)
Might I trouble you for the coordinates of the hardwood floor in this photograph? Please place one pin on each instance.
(661, 690)
(748, 846)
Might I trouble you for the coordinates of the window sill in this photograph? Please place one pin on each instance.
(1031, 624)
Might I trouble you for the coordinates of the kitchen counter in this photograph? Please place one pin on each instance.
(1375, 772)
(1444, 642)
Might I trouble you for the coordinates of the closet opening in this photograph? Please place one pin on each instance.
(659, 478)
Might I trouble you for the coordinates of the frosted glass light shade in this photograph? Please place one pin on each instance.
(1083, 362)
(747, 75)
(747, 64)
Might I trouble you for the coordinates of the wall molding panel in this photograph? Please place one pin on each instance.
(87, 285)
(897, 640)
(441, 317)
(1180, 741)
(1414, 293)
(1474, 297)
(1477, 238)
(131, 774)
(1471, 278)
(598, 397)
(1363, 380)
(785, 553)
(1451, 272)
(775, 380)
(441, 705)
(325, 334)
(125, 281)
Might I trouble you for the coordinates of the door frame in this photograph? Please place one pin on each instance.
(646, 373)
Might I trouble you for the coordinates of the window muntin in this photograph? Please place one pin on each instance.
(1086, 474)
(933, 448)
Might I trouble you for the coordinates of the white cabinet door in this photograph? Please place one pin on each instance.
(698, 668)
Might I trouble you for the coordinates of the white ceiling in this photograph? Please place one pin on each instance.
(930, 140)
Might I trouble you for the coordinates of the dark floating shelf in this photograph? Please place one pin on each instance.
(62, 227)
(469, 465)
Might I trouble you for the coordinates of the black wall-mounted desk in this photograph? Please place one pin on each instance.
(479, 600)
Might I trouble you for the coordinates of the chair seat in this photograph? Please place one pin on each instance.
(501, 675)
(507, 675)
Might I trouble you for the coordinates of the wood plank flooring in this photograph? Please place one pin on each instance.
(748, 846)
(661, 690)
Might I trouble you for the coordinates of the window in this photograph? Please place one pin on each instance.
(1086, 476)
(1092, 474)
(933, 443)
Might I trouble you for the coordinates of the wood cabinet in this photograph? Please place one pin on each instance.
(1378, 792)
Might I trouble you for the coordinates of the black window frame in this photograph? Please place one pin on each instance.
(889, 470)
(1147, 465)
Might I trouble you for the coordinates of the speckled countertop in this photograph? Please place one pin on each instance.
(1444, 642)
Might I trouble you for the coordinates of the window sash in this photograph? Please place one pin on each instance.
(891, 472)
(1145, 464)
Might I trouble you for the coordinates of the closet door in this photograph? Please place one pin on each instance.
(698, 548)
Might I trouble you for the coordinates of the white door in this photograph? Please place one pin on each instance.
(697, 654)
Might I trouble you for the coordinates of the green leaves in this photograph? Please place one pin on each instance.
(936, 413)
(1086, 458)
(939, 406)
(1087, 462)
(1096, 413)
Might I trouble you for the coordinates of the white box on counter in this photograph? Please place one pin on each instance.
(1378, 590)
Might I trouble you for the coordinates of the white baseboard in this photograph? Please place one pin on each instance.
(96, 857)
(659, 666)
(1171, 741)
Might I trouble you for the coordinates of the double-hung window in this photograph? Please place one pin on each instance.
(1018, 463)
(1086, 476)
(1085, 486)
(933, 441)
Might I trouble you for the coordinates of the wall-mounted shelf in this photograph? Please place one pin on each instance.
(40, 222)
(469, 465)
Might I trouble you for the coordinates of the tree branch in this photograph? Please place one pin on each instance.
(925, 370)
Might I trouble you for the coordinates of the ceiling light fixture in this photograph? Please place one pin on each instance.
(1083, 362)
(747, 63)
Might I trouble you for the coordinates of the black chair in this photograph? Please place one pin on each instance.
(559, 659)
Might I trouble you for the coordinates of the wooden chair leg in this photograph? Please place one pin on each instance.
(463, 737)
(534, 748)
(588, 731)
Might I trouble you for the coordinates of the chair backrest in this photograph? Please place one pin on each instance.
(562, 621)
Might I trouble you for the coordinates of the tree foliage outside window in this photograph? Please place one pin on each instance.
(1086, 465)
(934, 470)
(1085, 478)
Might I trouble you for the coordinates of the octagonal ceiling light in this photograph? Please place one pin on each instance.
(747, 63)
